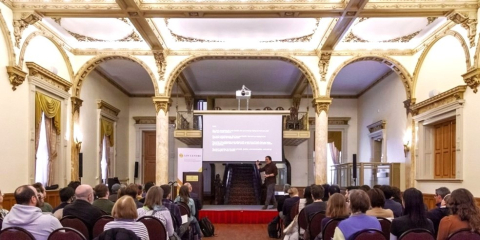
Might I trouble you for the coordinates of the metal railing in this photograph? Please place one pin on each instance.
(368, 173)
(296, 121)
(187, 121)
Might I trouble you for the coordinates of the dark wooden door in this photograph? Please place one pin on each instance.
(445, 150)
(149, 155)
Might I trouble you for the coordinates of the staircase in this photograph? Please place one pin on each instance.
(241, 187)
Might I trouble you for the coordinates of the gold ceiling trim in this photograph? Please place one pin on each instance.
(180, 38)
(305, 38)
(104, 106)
(441, 99)
(49, 77)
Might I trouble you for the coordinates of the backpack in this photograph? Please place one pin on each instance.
(274, 228)
(207, 227)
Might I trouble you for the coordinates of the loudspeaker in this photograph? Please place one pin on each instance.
(80, 165)
(354, 166)
(135, 174)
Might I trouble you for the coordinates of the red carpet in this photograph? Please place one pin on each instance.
(238, 215)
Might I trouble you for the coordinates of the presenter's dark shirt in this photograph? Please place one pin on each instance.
(269, 169)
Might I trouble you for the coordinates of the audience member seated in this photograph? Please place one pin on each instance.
(132, 191)
(358, 220)
(289, 204)
(336, 208)
(348, 190)
(281, 199)
(171, 206)
(113, 196)
(397, 195)
(125, 213)
(318, 204)
(74, 184)
(365, 188)
(153, 207)
(184, 197)
(3, 212)
(377, 200)
(27, 215)
(441, 209)
(102, 202)
(66, 196)
(148, 185)
(45, 206)
(396, 207)
(465, 214)
(333, 189)
(326, 188)
(307, 195)
(196, 199)
(414, 215)
(82, 207)
(139, 192)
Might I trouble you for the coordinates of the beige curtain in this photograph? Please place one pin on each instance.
(51, 132)
(50, 108)
(107, 156)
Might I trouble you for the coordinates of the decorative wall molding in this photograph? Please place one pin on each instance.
(161, 103)
(338, 120)
(467, 21)
(108, 108)
(323, 64)
(161, 64)
(16, 76)
(145, 120)
(322, 104)
(21, 24)
(408, 104)
(8, 40)
(441, 99)
(376, 126)
(472, 78)
(48, 76)
(76, 104)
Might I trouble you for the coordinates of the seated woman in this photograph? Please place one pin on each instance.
(124, 213)
(465, 214)
(336, 208)
(184, 197)
(414, 215)
(289, 204)
(153, 207)
(377, 199)
(358, 220)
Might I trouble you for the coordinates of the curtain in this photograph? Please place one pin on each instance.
(107, 156)
(106, 130)
(51, 134)
(106, 144)
(334, 153)
(50, 108)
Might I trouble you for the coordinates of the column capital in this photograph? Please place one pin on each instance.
(161, 103)
(16, 76)
(472, 78)
(408, 104)
(321, 104)
(76, 104)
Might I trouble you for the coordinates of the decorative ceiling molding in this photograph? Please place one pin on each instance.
(180, 38)
(305, 38)
(323, 64)
(467, 21)
(21, 24)
(441, 99)
(377, 126)
(445, 27)
(104, 106)
(54, 36)
(51, 78)
(241, 52)
(16, 76)
(8, 40)
(7, 3)
(472, 78)
(161, 63)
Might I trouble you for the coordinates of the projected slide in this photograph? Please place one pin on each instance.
(242, 137)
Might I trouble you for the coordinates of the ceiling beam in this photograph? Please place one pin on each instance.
(184, 85)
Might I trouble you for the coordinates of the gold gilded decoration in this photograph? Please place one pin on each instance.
(377, 126)
(180, 38)
(338, 120)
(323, 64)
(472, 78)
(57, 20)
(16, 76)
(322, 104)
(403, 39)
(20, 25)
(46, 75)
(104, 106)
(161, 64)
(353, 38)
(133, 37)
(161, 103)
(469, 23)
(441, 99)
(305, 38)
(145, 120)
(76, 104)
(408, 104)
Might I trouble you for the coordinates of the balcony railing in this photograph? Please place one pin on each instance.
(187, 121)
(296, 121)
(368, 173)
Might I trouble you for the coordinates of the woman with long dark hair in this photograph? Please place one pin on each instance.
(184, 197)
(414, 215)
(465, 214)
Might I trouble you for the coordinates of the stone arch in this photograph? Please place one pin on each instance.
(97, 60)
(8, 40)
(398, 68)
(425, 52)
(182, 65)
(54, 41)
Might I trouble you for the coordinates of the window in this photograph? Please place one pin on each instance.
(41, 164)
(445, 149)
(103, 161)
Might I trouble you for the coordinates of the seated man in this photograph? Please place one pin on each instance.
(172, 207)
(396, 207)
(289, 204)
(82, 207)
(27, 215)
(441, 210)
(318, 204)
(101, 190)
(66, 196)
(114, 195)
(45, 206)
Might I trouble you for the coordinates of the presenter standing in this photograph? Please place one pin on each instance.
(271, 172)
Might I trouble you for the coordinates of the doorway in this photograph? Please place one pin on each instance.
(149, 155)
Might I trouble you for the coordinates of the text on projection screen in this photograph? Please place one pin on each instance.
(242, 137)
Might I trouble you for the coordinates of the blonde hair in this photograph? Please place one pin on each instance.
(292, 192)
(337, 206)
(125, 208)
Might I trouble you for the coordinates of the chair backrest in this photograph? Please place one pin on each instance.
(156, 229)
(302, 220)
(294, 210)
(369, 234)
(329, 229)
(463, 234)
(386, 225)
(184, 209)
(100, 225)
(16, 233)
(315, 226)
(66, 233)
(417, 233)
(75, 223)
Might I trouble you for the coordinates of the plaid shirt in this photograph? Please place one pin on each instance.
(174, 212)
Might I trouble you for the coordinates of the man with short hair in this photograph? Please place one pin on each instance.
(333, 189)
(66, 196)
(82, 207)
(441, 210)
(148, 185)
(114, 196)
(196, 199)
(45, 206)
(132, 191)
(27, 215)
(318, 204)
(271, 172)
(172, 207)
(101, 190)
(396, 207)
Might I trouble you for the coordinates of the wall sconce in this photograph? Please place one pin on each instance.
(78, 145)
(406, 148)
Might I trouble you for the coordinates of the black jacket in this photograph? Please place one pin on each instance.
(118, 234)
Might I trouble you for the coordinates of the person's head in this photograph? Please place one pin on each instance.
(387, 191)
(41, 197)
(125, 208)
(365, 188)
(445, 200)
(414, 206)
(337, 206)
(333, 189)
(101, 191)
(131, 190)
(184, 194)
(462, 203)
(140, 189)
(167, 191)
(154, 197)
(307, 192)
(326, 187)
(148, 185)
(377, 198)
(293, 192)
(84, 192)
(26, 195)
(115, 188)
(122, 191)
(189, 186)
(268, 159)
(348, 190)
(396, 193)
(376, 186)
(66, 194)
(39, 187)
(74, 184)
(440, 193)
(359, 201)
(317, 192)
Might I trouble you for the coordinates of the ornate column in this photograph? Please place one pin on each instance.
(161, 172)
(321, 138)
(76, 144)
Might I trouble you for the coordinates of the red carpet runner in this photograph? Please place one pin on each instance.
(239, 216)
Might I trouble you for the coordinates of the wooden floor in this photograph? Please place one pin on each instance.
(240, 232)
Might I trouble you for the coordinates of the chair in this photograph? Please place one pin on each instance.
(16, 233)
(315, 226)
(156, 229)
(100, 225)
(417, 233)
(370, 234)
(294, 210)
(386, 225)
(463, 234)
(184, 209)
(302, 222)
(66, 233)
(329, 229)
(75, 223)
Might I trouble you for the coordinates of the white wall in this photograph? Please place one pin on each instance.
(347, 108)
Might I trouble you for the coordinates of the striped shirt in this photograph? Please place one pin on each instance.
(163, 215)
(137, 227)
